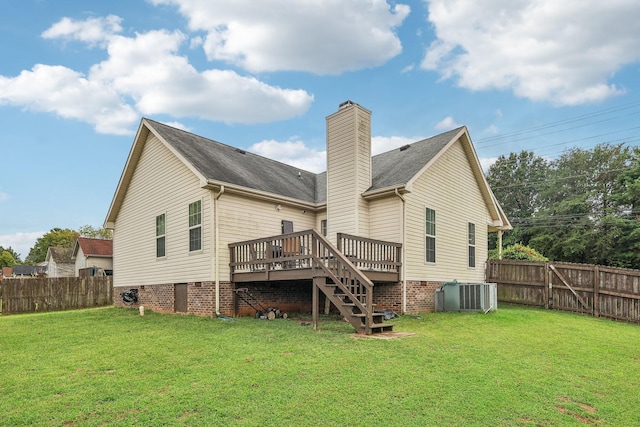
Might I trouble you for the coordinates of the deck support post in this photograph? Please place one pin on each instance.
(315, 301)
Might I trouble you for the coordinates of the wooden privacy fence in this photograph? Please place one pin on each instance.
(29, 295)
(583, 288)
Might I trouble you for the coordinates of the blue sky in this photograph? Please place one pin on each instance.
(76, 77)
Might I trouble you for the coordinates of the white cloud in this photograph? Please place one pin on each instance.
(323, 37)
(69, 94)
(91, 31)
(544, 50)
(447, 123)
(143, 75)
(149, 69)
(293, 152)
(178, 125)
(408, 68)
(486, 162)
(492, 130)
(21, 243)
(4, 196)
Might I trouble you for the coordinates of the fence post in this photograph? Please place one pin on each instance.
(548, 291)
(596, 291)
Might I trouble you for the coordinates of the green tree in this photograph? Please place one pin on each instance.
(95, 233)
(56, 237)
(7, 259)
(580, 215)
(516, 180)
(14, 254)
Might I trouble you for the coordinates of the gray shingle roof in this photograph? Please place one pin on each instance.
(61, 255)
(223, 163)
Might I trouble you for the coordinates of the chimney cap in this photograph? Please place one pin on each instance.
(346, 103)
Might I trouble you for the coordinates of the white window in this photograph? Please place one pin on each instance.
(323, 227)
(160, 236)
(430, 235)
(195, 226)
(472, 245)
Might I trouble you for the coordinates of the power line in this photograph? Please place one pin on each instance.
(563, 122)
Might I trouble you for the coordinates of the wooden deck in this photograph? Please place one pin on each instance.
(345, 274)
(290, 257)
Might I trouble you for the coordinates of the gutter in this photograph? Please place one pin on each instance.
(386, 191)
(263, 195)
(216, 263)
(404, 248)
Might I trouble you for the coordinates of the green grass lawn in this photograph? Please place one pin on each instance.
(517, 366)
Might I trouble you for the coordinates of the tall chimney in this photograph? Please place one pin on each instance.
(348, 170)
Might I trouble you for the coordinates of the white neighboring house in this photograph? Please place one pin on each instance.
(96, 255)
(60, 262)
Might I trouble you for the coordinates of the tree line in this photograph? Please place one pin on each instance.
(582, 207)
(56, 237)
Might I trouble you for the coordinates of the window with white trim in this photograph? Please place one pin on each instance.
(160, 236)
(195, 226)
(472, 244)
(430, 235)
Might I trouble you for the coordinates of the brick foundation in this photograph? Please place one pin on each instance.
(200, 298)
(288, 297)
(421, 296)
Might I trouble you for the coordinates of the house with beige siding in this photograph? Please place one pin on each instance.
(196, 223)
(93, 257)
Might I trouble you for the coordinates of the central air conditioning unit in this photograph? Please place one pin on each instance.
(457, 296)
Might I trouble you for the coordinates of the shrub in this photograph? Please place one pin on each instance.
(518, 252)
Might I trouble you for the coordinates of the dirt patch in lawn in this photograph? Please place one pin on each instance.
(385, 335)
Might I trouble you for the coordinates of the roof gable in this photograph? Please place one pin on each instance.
(93, 247)
(60, 255)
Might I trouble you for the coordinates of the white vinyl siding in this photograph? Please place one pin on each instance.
(158, 174)
(242, 219)
(385, 219)
(348, 171)
(449, 187)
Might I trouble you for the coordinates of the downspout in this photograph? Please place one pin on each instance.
(216, 208)
(404, 257)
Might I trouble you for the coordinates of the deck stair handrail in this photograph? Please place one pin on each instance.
(354, 293)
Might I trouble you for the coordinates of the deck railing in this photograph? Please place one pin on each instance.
(295, 250)
(283, 252)
(371, 254)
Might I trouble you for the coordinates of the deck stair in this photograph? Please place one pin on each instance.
(344, 273)
(347, 288)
